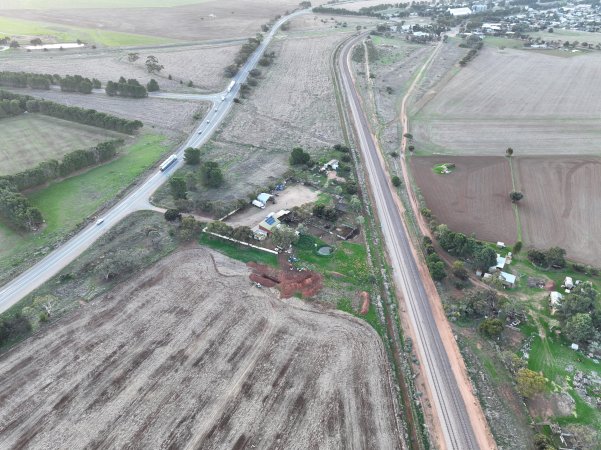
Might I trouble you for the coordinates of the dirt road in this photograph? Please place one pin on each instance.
(190, 354)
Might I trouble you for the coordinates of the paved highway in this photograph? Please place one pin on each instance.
(447, 400)
(137, 199)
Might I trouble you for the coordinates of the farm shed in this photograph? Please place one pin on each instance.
(507, 279)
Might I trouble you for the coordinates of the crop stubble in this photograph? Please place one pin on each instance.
(213, 19)
(535, 103)
(169, 116)
(190, 353)
(202, 64)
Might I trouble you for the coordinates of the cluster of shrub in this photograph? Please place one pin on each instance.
(24, 79)
(70, 163)
(126, 88)
(13, 327)
(68, 83)
(18, 104)
(17, 209)
(474, 43)
(460, 245)
(372, 11)
(77, 83)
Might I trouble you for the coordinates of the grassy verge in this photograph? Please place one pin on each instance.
(241, 253)
(67, 34)
(67, 203)
(146, 236)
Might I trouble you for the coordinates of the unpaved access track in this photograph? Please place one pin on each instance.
(190, 355)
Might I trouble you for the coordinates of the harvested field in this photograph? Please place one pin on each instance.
(202, 64)
(27, 140)
(535, 103)
(211, 19)
(474, 198)
(169, 116)
(294, 104)
(292, 196)
(288, 375)
(562, 204)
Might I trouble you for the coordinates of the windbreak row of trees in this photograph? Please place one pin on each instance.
(71, 162)
(243, 54)
(68, 83)
(17, 209)
(20, 103)
(126, 88)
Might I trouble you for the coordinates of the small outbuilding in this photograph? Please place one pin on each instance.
(507, 279)
(263, 197)
(330, 165)
(269, 223)
(460, 12)
(568, 283)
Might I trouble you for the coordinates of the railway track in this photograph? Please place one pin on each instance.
(447, 399)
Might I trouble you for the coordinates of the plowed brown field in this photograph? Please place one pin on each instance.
(474, 198)
(190, 355)
(562, 204)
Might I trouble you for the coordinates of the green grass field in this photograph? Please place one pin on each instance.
(63, 33)
(30, 139)
(66, 203)
(64, 4)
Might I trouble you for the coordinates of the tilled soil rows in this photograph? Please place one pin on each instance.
(474, 198)
(562, 204)
(190, 354)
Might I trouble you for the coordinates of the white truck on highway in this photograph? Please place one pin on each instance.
(231, 86)
(168, 162)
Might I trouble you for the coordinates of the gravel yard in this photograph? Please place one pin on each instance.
(191, 354)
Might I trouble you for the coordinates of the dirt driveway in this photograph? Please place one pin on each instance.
(292, 196)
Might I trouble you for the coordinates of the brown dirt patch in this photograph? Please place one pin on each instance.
(196, 359)
(287, 279)
(474, 198)
(562, 204)
(365, 302)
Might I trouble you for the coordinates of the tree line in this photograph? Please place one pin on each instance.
(70, 163)
(17, 209)
(243, 54)
(126, 88)
(20, 103)
(68, 83)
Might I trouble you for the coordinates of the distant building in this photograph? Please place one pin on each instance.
(479, 8)
(460, 12)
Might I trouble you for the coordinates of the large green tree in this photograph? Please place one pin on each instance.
(530, 383)
(299, 156)
(579, 328)
(485, 257)
(210, 174)
(192, 155)
(178, 187)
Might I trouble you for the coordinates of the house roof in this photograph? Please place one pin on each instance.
(501, 261)
(269, 223)
(508, 277)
